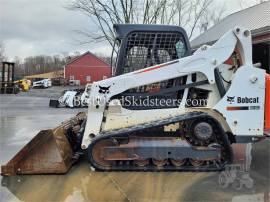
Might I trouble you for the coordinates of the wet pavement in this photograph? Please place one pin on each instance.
(22, 118)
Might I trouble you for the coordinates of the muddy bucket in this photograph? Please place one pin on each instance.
(48, 152)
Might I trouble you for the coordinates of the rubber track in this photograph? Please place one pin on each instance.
(129, 131)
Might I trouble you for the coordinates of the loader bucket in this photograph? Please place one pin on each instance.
(48, 152)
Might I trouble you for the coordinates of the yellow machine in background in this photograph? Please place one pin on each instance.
(24, 84)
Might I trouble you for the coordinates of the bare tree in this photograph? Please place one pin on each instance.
(245, 4)
(212, 17)
(19, 70)
(105, 13)
(42, 63)
(104, 57)
(187, 13)
(2, 52)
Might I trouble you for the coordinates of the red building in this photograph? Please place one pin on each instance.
(87, 68)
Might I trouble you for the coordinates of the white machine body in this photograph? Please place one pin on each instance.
(240, 110)
(68, 98)
(72, 98)
(85, 96)
(44, 83)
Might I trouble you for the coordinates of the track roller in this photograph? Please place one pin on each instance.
(195, 162)
(141, 163)
(160, 163)
(178, 162)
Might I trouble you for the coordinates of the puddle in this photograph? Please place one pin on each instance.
(246, 180)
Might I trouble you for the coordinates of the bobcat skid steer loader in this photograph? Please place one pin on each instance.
(73, 98)
(135, 124)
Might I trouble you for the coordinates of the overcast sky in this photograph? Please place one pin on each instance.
(35, 27)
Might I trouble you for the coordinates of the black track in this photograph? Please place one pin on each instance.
(220, 138)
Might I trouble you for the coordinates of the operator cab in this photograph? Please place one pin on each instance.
(140, 46)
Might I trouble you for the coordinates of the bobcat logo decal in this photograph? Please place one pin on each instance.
(230, 99)
(104, 90)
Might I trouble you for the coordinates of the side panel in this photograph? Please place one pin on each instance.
(267, 104)
(243, 104)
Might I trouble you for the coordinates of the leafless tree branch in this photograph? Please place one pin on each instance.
(2, 52)
(244, 4)
(105, 13)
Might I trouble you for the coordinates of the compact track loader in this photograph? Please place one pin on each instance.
(72, 98)
(175, 111)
